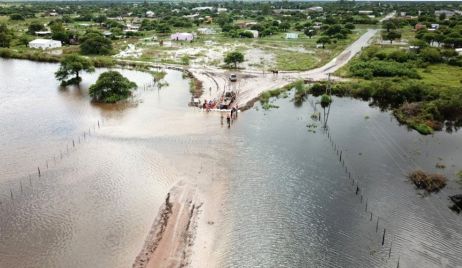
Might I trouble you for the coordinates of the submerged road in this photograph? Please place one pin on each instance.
(252, 83)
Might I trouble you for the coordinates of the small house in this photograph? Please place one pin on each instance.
(44, 44)
(291, 35)
(435, 26)
(447, 13)
(365, 12)
(206, 31)
(42, 33)
(459, 51)
(316, 9)
(149, 14)
(221, 10)
(182, 37)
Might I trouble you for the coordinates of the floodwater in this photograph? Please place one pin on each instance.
(295, 206)
(290, 201)
(95, 203)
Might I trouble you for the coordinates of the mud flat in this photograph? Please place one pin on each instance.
(172, 235)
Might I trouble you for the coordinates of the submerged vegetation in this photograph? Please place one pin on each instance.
(267, 95)
(111, 87)
(427, 181)
(402, 82)
(195, 86)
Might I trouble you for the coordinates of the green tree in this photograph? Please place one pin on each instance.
(310, 32)
(100, 19)
(389, 25)
(284, 26)
(323, 40)
(333, 29)
(58, 32)
(94, 43)
(350, 26)
(234, 58)
(442, 16)
(5, 36)
(111, 87)
(431, 55)
(391, 35)
(16, 17)
(35, 26)
(71, 66)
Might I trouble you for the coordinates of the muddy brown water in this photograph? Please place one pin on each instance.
(289, 203)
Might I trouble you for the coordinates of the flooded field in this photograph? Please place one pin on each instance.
(289, 201)
(294, 204)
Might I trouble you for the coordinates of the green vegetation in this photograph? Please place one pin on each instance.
(267, 95)
(158, 75)
(426, 181)
(294, 61)
(94, 43)
(326, 100)
(71, 66)
(422, 87)
(6, 36)
(234, 58)
(111, 87)
(195, 86)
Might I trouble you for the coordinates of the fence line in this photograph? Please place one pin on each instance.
(16, 188)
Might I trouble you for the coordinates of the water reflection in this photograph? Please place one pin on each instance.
(295, 205)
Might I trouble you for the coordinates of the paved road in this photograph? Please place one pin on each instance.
(342, 59)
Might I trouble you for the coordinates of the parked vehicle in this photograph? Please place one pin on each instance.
(233, 78)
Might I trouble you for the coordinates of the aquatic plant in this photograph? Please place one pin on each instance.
(325, 100)
(300, 91)
(427, 181)
(459, 175)
(158, 75)
(195, 87)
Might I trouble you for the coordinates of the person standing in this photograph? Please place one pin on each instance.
(228, 120)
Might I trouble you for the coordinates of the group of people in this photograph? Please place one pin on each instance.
(207, 105)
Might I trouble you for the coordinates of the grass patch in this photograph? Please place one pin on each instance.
(294, 61)
(267, 95)
(442, 76)
(427, 181)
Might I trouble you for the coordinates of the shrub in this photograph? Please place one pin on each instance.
(381, 69)
(427, 181)
(431, 55)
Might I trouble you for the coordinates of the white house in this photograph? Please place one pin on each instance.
(459, 51)
(44, 43)
(221, 10)
(149, 14)
(448, 13)
(316, 9)
(206, 31)
(291, 35)
(435, 26)
(42, 33)
(365, 12)
(202, 8)
(182, 36)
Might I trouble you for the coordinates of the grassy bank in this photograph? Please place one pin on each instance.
(42, 56)
(422, 88)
